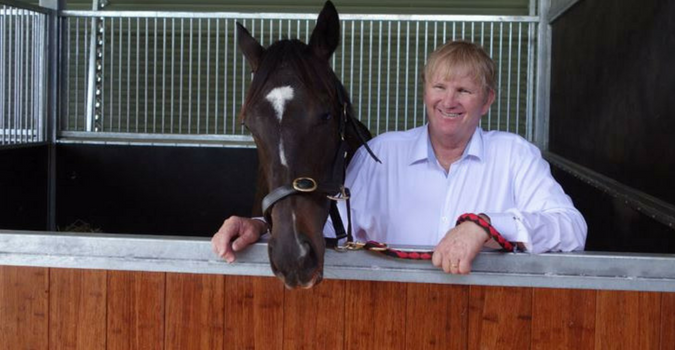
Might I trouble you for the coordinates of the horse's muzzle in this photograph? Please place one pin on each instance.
(296, 265)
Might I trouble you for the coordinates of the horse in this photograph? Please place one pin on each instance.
(301, 120)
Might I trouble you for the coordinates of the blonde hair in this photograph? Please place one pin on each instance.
(459, 57)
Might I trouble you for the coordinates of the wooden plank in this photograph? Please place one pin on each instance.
(315, 318)
(563, 319)
(437, 316)
(500, 317)
(194, 311)
(628, 320)
(136, 310)
(77, 309)
(667, 321)
(24, 303)
(254, 307)
(375, 315)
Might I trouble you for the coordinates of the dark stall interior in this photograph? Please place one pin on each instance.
(610, 111)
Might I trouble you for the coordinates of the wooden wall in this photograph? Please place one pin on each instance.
(48, 308)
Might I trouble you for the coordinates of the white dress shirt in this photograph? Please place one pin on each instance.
(409, 199)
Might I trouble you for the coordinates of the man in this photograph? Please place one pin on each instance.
(431, 175)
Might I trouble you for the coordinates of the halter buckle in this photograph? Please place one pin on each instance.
(304, 184)
(343, 195)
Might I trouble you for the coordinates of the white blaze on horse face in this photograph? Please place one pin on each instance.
(303, 249)
(278, 98)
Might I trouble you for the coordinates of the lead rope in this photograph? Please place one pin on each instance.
(427, 254)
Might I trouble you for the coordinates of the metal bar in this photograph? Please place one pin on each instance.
(650, 206)
(91, 76)
(154, 77)
(112, 75)
(295, 16)
(208, 71)
(3, 74)
(217, 54)
(398, 70)
(163, 75)
(508, 81)
(582, 270)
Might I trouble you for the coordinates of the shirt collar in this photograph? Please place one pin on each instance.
(422, 149)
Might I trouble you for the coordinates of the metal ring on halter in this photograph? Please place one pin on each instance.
(350, 246)
(343, 195)
(304, 184)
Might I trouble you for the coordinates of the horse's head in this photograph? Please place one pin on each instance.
(296, 109)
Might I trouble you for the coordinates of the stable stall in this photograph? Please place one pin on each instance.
(121, 153)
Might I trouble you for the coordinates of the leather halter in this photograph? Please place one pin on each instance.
(333, 190)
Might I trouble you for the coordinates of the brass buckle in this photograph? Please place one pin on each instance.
(350, 246)
(304, 184)
(341, 196)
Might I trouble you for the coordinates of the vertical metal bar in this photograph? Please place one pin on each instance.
(154, 77)
(426, 41)
(342, 61)
(234, 79)
(137, 102)
(225, 71)
(407, 68)
(77, 74)
(370, 73)
(351, 62)
(3, 64)
(15, 93)
(492, 40)
(388, 75)
(243, 78)
(361, 71)
(217, 53)
(100, 76)
(398, 70)
(112, 75)
(128, 101)
(208, 70)
(163, 130)
(173, 75)
(119, 76)
(379, 77)
(499, 91)
(519, 63)
(417, 64)
(199, 73)
(508, 81)
(91, 75)
(189, 123)
(180, 80)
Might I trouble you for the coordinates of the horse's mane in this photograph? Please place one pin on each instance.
(295, 56)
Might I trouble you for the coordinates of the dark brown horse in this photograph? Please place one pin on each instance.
(301, 120)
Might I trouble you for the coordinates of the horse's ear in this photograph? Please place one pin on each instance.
(326, 34)
(250, 47)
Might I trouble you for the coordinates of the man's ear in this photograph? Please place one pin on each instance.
(488, 101)
(250, 47)
(326, 34)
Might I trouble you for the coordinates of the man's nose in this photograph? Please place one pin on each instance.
(449, 100)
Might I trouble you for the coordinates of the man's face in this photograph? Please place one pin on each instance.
(455, 105)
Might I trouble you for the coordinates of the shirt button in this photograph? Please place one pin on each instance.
(444, 219)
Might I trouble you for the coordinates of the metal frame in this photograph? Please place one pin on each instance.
(393, 25)
(584, 270)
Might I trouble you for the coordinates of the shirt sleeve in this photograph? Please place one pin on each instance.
(544, 218)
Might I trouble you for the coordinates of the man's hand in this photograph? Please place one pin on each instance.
(455, 252)
(236, 234)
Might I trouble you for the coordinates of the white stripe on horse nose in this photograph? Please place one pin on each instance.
(278, 98)
(302, 247)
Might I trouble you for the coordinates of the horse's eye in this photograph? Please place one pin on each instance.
(326, 117)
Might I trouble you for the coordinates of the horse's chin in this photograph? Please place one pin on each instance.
(293, 281)
(316, 279)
